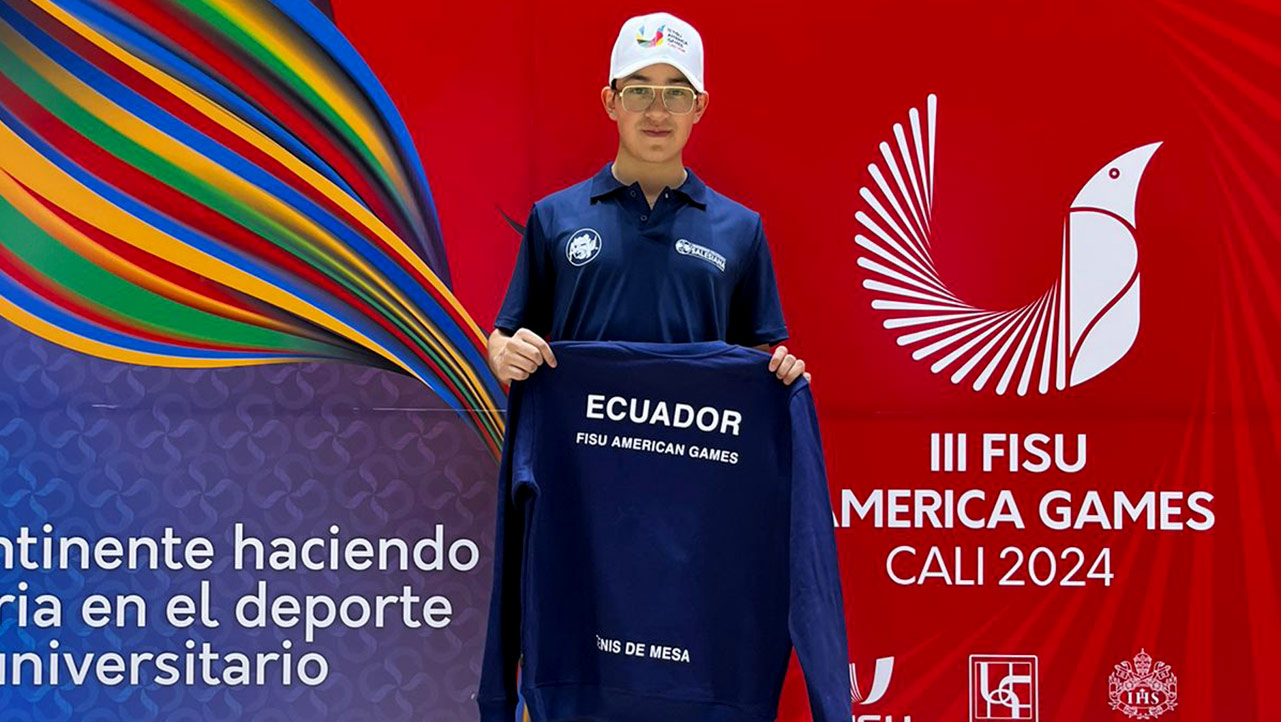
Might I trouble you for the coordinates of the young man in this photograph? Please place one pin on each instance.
(643, 250)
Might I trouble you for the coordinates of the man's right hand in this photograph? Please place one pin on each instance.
(515, 357)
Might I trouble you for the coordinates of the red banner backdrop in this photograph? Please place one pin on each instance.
(1040, 579)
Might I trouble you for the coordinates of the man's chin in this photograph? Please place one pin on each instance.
(657, 154)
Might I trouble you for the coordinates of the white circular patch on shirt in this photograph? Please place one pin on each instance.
(583, 247)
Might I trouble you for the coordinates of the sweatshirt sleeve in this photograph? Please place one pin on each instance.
(497, 694)
(816, 616)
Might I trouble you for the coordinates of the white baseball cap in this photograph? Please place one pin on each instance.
(658, 38)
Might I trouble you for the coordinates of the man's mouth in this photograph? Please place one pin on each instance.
(656, 133)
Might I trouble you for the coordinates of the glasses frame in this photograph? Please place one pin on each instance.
(657, 94)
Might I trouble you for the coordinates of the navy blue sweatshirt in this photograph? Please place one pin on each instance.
(664, 538)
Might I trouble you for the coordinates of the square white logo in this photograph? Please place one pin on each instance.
(1003, 687)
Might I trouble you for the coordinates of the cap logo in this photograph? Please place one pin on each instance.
(653, 42)
(676, 40)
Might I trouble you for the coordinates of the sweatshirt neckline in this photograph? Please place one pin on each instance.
(694, 349)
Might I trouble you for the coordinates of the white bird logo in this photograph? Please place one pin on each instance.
(1082, 325)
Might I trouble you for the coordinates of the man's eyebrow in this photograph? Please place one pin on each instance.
(671, 80)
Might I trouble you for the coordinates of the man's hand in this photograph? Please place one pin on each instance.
(786, 366)
(515, 357)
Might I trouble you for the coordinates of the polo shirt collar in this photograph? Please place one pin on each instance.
(604, 183)
(694, 189)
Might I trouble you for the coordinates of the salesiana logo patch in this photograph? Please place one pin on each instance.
(1083, 324)
(651, 42)
(583, 247)
(687, 248)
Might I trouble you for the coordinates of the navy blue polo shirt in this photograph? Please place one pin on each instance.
(598, 264)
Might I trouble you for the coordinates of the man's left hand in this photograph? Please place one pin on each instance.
(786, 366)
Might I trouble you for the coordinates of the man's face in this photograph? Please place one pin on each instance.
(654, 135)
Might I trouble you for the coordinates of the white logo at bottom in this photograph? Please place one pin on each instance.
(1003, 687)
(880, 684)
(1142, 690)
(880, 681)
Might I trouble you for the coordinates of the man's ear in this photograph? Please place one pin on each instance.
(609, 99)
(700, 105)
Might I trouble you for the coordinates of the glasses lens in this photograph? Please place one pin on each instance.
(637, 99)
(678, 100)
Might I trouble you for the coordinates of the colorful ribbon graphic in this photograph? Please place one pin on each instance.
(203, 183)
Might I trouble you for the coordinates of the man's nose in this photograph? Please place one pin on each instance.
(657, 109)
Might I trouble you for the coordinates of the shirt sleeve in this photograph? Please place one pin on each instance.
(755, 312)
(816, 615)
(528, 300)
(497, 693)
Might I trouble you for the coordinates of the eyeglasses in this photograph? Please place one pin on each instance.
(678, 99)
